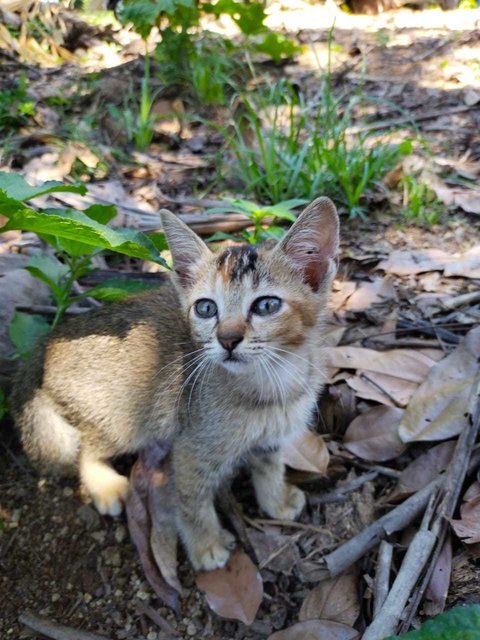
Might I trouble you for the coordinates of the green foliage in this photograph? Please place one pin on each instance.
(302, 150)
(420, 202)
(461, 623)
(15, 106)
(25, 331)
(117, 289)
(258, 215)
(76, 236)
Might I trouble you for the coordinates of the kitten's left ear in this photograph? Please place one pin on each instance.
(312, 242)
(186, 247)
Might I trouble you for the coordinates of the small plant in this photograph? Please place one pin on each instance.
(420, 202)
(460, 623)
(263, 218)
(76, 236)
(15, 106)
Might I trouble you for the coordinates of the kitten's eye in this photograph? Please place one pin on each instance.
(205, 308)
(266, 306)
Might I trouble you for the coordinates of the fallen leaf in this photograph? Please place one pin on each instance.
(381, 387)
(274, 550)
(335, 599)
(405, 263)
(467, 264)
(408, 364)
(373, 435)
(234, 592)
(472, 492)
(307, 451)
(467, 529)
(437, 409)
(139, 522)
(341, 291)
(424, 469)
(316, 630)
(437, 590)
(369, 293)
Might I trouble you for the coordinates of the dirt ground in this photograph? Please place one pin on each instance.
(61, 560)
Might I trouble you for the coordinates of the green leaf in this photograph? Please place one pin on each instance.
(25, 331)
(101, 213)
(460, 623)
(77, 226)
(15, 186)
(144, 14)
(118, 289)
(277, 46)
(49, 271)
(159, 240)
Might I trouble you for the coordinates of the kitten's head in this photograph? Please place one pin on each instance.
(246, 302)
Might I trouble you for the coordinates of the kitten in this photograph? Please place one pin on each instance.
(223, 361)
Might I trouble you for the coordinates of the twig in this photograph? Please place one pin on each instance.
(428, 115)
(381, 586)
(156, 618)
(339, 494)
(395, 520)
(290, 523)
(54, 630)
(383, 471)
(464, 298)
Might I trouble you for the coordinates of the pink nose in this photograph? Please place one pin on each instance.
(229, 340)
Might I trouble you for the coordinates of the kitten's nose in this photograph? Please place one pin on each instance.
(229, 340)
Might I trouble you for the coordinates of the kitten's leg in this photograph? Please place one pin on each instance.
(275, 496)
(208, 544)
(107, 487)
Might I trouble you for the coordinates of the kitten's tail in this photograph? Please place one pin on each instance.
(48, 439)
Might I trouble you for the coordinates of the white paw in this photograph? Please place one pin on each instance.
(110, 497)
(292, 505)
(215, 555)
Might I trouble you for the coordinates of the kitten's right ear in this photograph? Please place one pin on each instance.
(186, 247)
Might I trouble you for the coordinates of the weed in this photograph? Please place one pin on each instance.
(285, 148)
(420, 203)
(264, 218)
(15, 106)
(76, 236)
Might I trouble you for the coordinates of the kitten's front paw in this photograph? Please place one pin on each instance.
(215, 554)
(110, 497)
(291, 506)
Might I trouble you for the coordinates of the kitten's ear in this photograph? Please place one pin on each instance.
(312, 242)
(186, 247)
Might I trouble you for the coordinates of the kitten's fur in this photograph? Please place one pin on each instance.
(108, 382)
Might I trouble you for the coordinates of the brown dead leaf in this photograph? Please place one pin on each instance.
(274, 550)
(468, 527)
(437, 409)
(408, 364)
(405, 263)
(373, 435)
(234, 592)
(335, 599)
(467, 264)
(341, 291)
(472, 492)
(316, 630)
(437, 590)
(139, 522)
(380, 387)
(369, 293)
(307, 451)
(424, 469)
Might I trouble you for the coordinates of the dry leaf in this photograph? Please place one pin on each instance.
(370, 293)
(405, 263)
(274, 550)
(468, 263)
(424, 469)
(472, 492)
(307, 451)
(335, 599)
(316, 630)
(437, 590)
(234, 592)
(341, 291)
(468, 527)
(437, 409)
(139, 523)
(408, 364)
(380, 387)
(373, 435)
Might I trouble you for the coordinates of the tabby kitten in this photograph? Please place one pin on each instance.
(223, 361)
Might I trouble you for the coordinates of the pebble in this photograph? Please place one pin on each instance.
(68, 492)
(87, 597)
(56, 597)
(152, 635)
(120, 533)
(191, 629)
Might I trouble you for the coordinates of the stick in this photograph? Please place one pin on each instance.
(381, 585)
(339, 494)
(395, 520)
(428, 115)
(156, 618)
(54, 630)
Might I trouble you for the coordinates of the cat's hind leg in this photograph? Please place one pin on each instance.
(107, 487)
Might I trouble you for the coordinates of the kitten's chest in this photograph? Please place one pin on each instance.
(277, 423)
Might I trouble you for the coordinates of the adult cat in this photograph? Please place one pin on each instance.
(223, 361)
